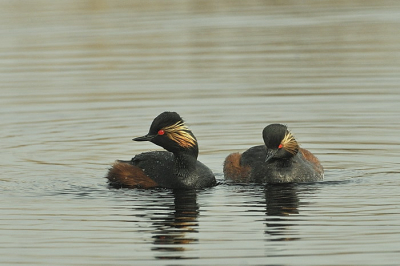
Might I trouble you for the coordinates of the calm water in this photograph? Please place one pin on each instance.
(80, 79)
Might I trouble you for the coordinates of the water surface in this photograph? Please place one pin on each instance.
(80, 79)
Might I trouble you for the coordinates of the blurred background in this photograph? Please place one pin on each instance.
(80, 79)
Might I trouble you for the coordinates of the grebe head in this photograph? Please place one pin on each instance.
(169, 131)
(279, 142)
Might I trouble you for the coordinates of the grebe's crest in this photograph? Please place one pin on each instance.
(181, 134)
(290, 144)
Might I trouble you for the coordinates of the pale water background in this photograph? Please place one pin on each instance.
(80, 79)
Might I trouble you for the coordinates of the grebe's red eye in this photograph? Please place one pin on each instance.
(161, 132)
(280, 146)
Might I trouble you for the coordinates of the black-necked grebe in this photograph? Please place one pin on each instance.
(177, 167)
(280, 160)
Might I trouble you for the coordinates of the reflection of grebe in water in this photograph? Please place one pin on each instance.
(281, 202)
(178, 228)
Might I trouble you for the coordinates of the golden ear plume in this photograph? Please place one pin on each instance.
(290, 144)
(179, 133)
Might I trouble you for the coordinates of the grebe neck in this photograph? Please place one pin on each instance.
(185, 162)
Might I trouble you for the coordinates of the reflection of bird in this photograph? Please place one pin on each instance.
(179, 228)
(280, 160)
(175, 168)
(281, 201)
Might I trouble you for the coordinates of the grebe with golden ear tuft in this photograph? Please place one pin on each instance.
(280, 160)
(176, 168)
